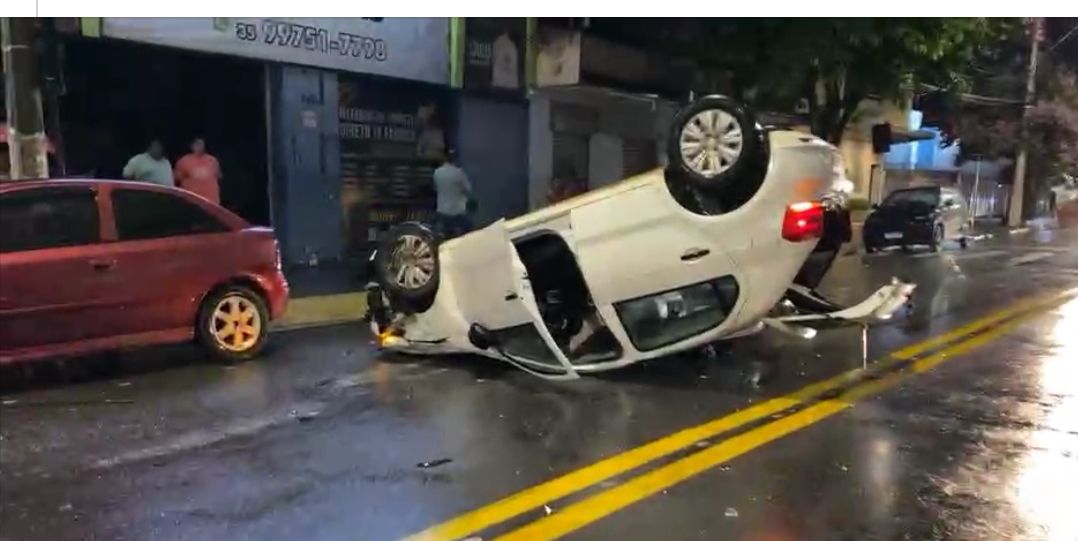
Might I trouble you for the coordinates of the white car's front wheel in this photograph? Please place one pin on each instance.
(407, 266)
(712, 142)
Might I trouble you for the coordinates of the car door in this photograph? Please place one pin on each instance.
(492, 289)
(640, 242)
(951, 212)
(50, 258)
(166, 253)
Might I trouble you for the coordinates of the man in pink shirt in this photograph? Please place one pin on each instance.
(199, 172)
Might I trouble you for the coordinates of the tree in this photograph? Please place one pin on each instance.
(834, 63)
(988, 122)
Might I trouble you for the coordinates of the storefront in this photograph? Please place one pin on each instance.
(120, 95)
(350, 115)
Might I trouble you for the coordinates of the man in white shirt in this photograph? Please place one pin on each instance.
(150, 166)
(454, 194)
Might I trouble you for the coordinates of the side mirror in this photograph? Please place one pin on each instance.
(481, 337)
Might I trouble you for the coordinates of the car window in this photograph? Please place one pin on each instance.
(48, 218)
(912, 197)
(144, 214)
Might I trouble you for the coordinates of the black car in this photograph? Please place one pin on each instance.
(918, 216)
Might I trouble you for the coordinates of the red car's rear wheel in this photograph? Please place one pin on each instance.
(233, 323)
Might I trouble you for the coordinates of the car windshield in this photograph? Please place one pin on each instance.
(913, 198)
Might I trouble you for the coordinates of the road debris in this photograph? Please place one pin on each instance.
(304, 416)
(731, 512)
(434, 463)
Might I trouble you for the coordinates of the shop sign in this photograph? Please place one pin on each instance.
(392, 137)
(494, 53)
(405, 47)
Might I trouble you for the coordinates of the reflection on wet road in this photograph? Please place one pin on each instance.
(971, 436)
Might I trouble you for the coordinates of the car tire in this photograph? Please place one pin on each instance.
(233, 324)
(870, 249)
(407, 266)
(963, 242)
(712, 142)
(937, 238)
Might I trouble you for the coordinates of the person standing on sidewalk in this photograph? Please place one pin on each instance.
(454, 195)
(150, 166)
(199, 172)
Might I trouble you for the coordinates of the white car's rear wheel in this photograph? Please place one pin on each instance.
(713, 141)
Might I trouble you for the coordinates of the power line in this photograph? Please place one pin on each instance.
(1064, 38)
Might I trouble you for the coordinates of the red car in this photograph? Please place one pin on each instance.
(98, 265)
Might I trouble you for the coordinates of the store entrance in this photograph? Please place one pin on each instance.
(121, 95)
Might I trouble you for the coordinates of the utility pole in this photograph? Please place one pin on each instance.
(1014, 212)
(26, 127)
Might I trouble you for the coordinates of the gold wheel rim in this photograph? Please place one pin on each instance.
(236, 324)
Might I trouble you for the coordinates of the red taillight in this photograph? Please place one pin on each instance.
(803, 221)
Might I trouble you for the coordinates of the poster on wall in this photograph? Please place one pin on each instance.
(494, 53)
(405, 47)
(392, 137)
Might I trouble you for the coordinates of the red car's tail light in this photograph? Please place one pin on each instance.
(803, 221)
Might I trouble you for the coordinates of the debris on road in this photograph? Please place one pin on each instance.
(434, 463)
(548, 510)
(731, 512)
(305, 416)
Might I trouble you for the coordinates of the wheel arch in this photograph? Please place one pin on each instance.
(248, 281)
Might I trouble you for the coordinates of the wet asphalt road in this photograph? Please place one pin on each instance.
(322, 438)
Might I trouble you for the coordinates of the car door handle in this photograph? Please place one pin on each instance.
(694, 253)
(103, 264)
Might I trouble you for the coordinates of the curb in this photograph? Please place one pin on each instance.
(321, 310)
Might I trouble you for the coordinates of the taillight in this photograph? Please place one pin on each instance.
(803, 221)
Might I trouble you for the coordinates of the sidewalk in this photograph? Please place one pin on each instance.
(327, 294)
(323, 310)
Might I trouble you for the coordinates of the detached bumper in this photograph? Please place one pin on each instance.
(814, 312)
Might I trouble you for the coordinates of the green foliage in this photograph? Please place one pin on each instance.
(833, 62)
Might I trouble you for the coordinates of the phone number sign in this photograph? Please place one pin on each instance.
(408, 48)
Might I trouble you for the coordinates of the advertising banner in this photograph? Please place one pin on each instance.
(408, 48)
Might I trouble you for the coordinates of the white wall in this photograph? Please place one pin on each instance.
(619, 116)
(540, 150)
(604, 159)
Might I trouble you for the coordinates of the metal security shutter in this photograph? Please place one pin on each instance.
(638, 156)
(571, 151)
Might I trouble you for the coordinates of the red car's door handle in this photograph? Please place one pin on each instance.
(103, 264)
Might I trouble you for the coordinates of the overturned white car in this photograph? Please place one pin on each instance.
(735, 233)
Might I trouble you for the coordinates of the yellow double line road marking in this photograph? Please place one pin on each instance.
(606, 502)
